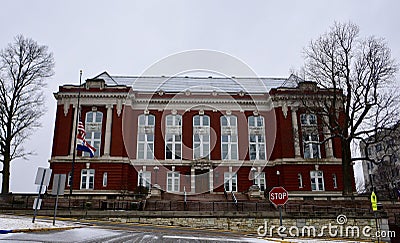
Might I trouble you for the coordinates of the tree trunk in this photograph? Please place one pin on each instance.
(347, 168)
(5, 185)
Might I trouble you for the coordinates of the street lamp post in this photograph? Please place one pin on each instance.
(372, 192)
(253, 172)
(278, 173)
(370, 179)
(156, 168)
(140, 181)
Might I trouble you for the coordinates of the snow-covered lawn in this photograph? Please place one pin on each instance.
(12, 222)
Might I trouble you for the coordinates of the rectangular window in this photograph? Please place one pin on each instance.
(317, 180)
(93, 126)
(145, 137)
(87, 179)
(173, 180)
(260, 180)
(173, 137)
(229, 143)
(144, 179)
(311, 148)
(201, 137)
(256, 138)
(105, 179)
(230, 182)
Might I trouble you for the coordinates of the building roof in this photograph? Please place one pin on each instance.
(198, 84)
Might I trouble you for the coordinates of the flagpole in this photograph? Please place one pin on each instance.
(71, 184)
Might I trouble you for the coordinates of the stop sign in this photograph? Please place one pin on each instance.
(278, 196)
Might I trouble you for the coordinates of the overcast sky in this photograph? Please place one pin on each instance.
(125, 37)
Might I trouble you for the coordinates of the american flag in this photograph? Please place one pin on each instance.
(82, 144)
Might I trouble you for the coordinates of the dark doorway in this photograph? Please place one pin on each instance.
(202, 183)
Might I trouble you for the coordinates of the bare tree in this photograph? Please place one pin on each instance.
(386, 179)
(382, 152)
(24, 66)
(360, 72)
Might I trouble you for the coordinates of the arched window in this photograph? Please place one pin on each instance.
(105, 179)
(300, 180)
(173, 137)
(334, 179)
(201, 137)
(145, 139)
(93, 126)
(256, 138)
(229, 139)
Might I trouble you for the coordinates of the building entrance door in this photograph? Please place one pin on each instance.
(202, 181)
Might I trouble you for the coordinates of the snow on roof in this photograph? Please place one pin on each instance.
(197, 84)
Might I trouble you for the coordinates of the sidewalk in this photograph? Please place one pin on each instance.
(16, 224)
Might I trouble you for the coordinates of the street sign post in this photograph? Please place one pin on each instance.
(279, 196)
(374, 204)
(58, 189)
(42, 179)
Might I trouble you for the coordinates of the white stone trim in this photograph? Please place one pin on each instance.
(107, 139)
(295, 128)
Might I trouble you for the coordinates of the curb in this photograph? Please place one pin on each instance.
(37, 230)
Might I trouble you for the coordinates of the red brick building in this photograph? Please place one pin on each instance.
(196, 134)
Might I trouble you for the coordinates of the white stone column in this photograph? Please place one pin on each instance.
(295, 127)
(73, 130)
(107, 140)
(211, 179)
(328, 144)
(192, 180)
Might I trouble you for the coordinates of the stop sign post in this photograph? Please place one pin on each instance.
(278, 196)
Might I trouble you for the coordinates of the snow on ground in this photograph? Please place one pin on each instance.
(12, 222)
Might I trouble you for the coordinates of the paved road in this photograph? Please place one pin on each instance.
(107, 232)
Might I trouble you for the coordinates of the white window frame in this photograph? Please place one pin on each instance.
(311, 147)
(257, 132)
(201, 148)
(93, 128)
(145, 137)
(230, 182)
(317, 180)
(86, 176)
(259, 180)
(173, 136)
(146, 179)
(229, 138)
(105, 179)
(173, 181)
(300, 180)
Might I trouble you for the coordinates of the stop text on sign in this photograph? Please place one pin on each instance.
(277, 195)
